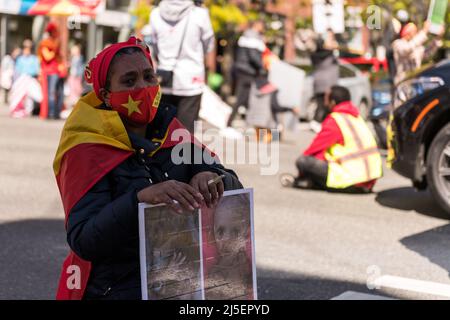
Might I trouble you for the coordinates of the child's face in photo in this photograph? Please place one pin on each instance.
(230, 229)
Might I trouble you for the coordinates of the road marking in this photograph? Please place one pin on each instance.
(352, 295)
(432, 288)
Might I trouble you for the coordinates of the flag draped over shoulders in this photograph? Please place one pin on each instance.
(93, 142)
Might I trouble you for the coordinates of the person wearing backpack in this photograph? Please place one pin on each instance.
(182, 39)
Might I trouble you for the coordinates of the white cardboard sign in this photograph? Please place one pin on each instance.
(328, 14)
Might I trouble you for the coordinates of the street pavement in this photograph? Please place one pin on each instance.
(309, 244)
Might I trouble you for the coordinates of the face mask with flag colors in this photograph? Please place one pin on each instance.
(137, 106)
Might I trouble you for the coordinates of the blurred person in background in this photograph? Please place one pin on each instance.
(248, 66)
(410, 50)
(75, 79)
(7, 70)
(344, 156)
(183, 40)
(51, 74)
(27, 63)
(325, 74)
(264, 106)
(266, 119)
(392, 33)
(26, 92)
(305, 40)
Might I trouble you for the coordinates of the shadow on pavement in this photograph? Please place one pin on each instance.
(432, 244)
(409, 199)
(31, 256)
(280, 285)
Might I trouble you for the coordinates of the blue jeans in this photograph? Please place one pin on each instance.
(55, 89)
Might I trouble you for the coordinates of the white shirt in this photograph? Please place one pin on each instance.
(189, 69)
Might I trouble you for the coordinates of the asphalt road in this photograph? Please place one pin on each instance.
(309, 244)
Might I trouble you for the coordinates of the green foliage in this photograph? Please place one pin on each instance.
(141, 13)
(225, 18)
(302, 23)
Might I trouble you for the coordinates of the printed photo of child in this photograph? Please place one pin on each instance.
(228, 267)
(207, 255)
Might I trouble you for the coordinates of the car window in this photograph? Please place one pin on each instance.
(345, 72)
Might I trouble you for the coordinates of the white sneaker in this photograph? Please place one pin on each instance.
(242, 110)
(315, 126)
(231, 133)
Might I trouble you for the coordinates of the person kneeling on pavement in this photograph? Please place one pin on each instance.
(118, 149)
(344, 155)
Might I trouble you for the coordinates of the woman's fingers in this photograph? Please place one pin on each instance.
(201, 187)
(204, 190)
(169, 201)
(195, 192)
(214, 193)
(190, 193)
(188, 197)
(177, 196)
(221, 189)
(174, 194)
(185, 195)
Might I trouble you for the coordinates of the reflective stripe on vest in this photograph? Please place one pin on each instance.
(358, 160)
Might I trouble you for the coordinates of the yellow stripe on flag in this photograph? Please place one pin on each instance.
(88, 124)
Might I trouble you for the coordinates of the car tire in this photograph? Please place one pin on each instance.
(437, 160)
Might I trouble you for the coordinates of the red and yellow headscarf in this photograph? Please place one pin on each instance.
(96, 71)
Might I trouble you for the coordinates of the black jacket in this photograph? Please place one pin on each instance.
(326, 70)
(103, 226)
(248, 59)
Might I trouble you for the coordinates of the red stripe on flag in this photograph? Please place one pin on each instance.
(82, 167)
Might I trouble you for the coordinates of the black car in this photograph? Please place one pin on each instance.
(419, 131)
(381, 105)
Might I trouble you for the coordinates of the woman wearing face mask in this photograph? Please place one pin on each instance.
(116, 151)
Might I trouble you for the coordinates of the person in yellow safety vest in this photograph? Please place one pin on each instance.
(344, 155)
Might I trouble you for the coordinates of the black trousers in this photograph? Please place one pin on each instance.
(317, 172)
(188, 108)
(313, 169)
(243, 86)
(322, 110)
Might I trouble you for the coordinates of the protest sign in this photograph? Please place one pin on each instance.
(290, 81)
(213, 109)
(205, 255)
(436, 15)
(328, 14)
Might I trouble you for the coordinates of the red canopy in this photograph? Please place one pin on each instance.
(64, 7)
